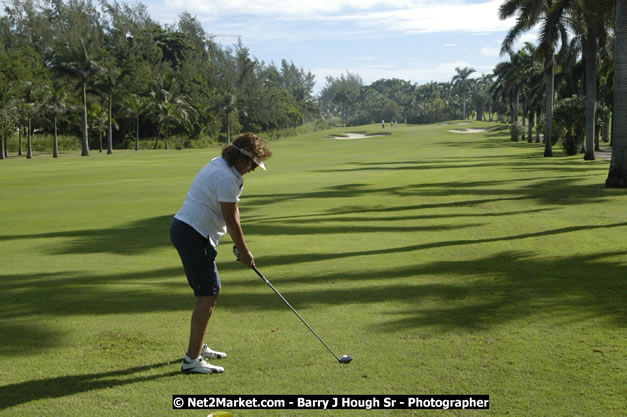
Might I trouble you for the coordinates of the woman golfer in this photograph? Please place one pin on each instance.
(208, 212)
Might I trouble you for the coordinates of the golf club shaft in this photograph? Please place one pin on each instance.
(295, 312)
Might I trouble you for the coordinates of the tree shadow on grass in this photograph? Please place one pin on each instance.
(469, 294)
(57, 387)
(146, 235)
(79, 293)
(136, 237)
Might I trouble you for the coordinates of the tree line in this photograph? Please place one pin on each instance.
(108, 70)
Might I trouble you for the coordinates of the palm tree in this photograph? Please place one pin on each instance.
(589, 19)
(31, 106)
(484, 84)
(171, 109)
(8, 121)
(460, 80)
(58, 104)
(99, 120)
(530, 13)
(617, 176)
(509, 83)
(137, 106)
(227, 103)
(78, 62)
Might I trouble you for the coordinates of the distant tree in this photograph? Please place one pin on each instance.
(57, 105)
(8, 120)
(227, 104)
(171, 108)
(76, 60)
(551, 18)
(463, 83)
(99, 119)
(137, 106)
(30, 105)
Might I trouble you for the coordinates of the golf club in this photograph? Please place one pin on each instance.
(343, 359)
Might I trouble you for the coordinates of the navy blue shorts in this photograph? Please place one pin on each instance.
(198, 257)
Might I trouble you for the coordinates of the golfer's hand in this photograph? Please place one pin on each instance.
(247, 259)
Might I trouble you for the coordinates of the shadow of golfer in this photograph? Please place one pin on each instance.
(41, 389)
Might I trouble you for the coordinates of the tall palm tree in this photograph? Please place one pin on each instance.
(588, 19)
(509, 82)
(58, 104)
(227, 103)
(617, 176)
(8, 121)
(171, 108)
(31, 105)
(137, 106)
(99, 120)
(530, 13)
(462, 82)
(77, 61)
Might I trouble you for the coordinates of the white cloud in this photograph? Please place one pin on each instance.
(431, 17)
(490, 51)
(280, 8)
(449, 45)
(409, 16)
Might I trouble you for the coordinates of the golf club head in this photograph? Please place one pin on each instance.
(345, 359)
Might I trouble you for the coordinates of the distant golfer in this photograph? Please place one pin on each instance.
(208, 212)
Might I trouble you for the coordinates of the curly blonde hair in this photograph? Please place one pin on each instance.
(249, 142)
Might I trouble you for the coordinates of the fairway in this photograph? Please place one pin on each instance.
(443, 263)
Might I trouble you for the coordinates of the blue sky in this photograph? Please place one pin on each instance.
(415, 40)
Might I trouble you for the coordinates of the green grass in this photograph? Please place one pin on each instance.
(443, 263)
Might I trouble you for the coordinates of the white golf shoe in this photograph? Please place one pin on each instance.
(199, 366)
(207, 353)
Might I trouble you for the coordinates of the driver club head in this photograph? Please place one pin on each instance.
(345, 359)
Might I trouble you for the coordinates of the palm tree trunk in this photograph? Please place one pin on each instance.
(538, 119)
(618, 166)
(530, 133)
(19, 145)
(490, 108)
(110, 135)
(228, 127)
(137, 133)
(85, 150)
(515, 116)
(590, 51)
(167, 135)
(29, 150)
(613, 129)
(548, 141)
(55, 140)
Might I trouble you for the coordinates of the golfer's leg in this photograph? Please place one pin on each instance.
(200, 319)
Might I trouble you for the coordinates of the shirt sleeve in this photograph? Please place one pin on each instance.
(228, 190)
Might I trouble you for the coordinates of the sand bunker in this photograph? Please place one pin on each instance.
(354, 135)
(468, 130)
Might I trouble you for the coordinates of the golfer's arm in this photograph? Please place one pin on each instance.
(230, 213)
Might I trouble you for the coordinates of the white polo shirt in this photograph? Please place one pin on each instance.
(216, 183)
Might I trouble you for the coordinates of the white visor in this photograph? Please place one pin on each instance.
(248, 154)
